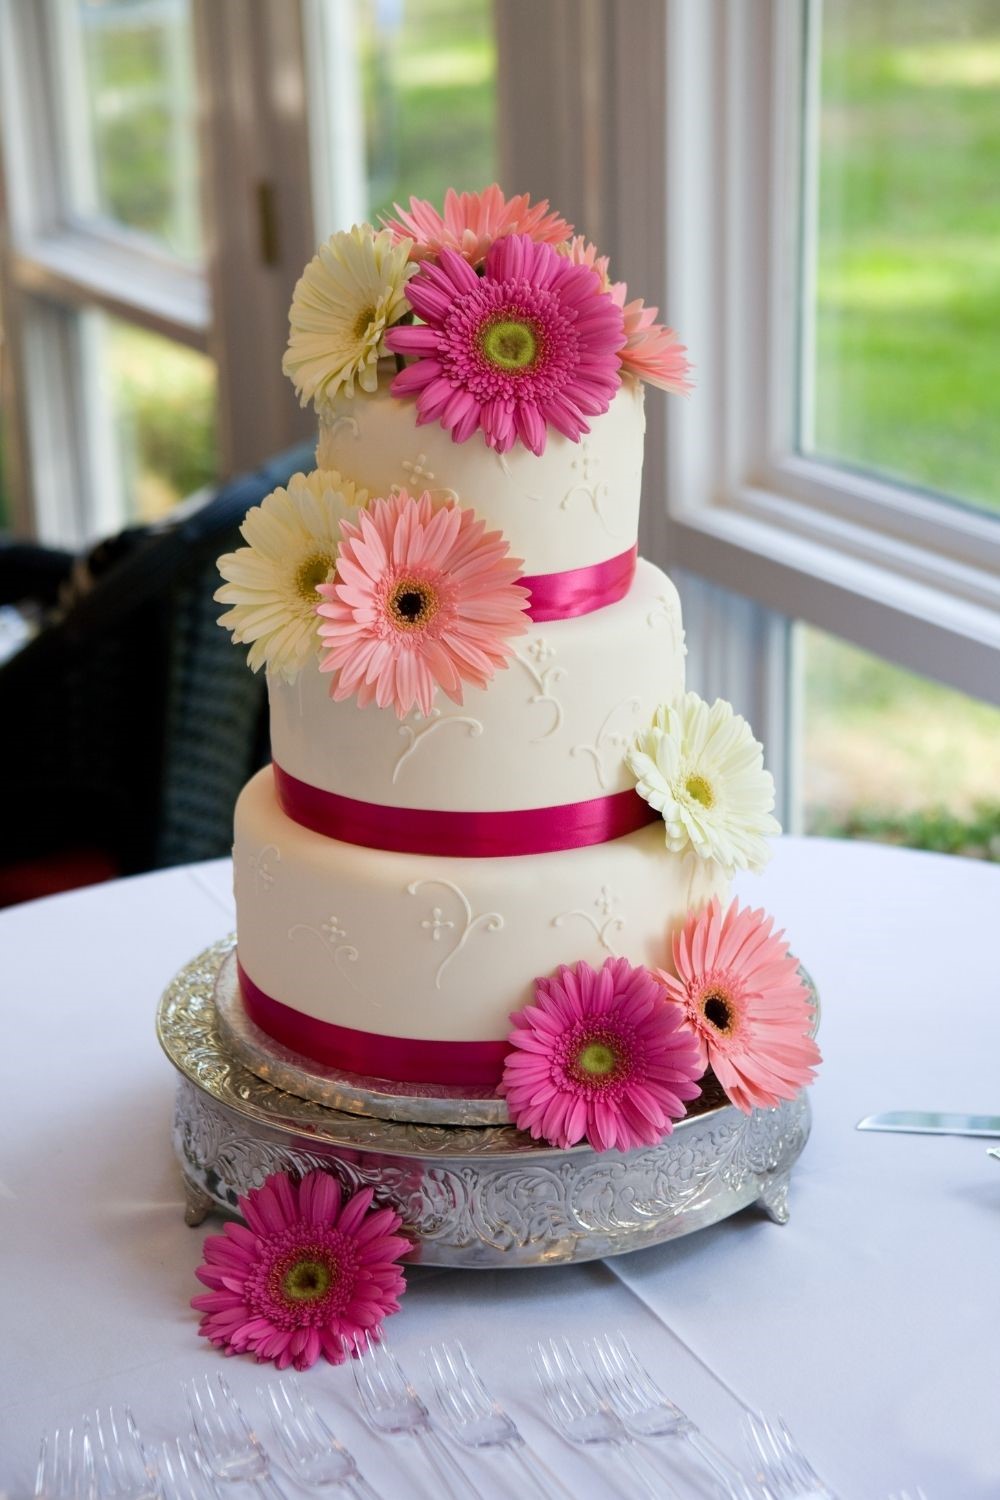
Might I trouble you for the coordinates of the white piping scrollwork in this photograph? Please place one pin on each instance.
(332, 425)
(610, 921)
(263, 875)
(609, 739)
(490, 921)
(339, 953)
(414, 484)
(543, 677)
(435, 720)
(509, 474)
(589, 488)
(666, 612)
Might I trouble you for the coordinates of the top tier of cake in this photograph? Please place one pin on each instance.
(575, 505)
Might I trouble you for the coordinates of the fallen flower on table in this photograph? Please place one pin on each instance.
(309, 1273)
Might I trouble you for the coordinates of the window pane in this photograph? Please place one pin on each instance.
(134, 147)
(890, 756)
(903, 352)
(154, 422)
(428, 69)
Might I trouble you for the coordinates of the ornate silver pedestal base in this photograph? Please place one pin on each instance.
(469, 1195)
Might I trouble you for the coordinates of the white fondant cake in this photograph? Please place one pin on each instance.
(429, 947)
(420, 946)
(494, 846)
(548, 730)
(574, 505)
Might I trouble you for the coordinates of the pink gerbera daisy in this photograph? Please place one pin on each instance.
(530, 343)
(307, 1275)
(651, 352)
(472, 221)
(423, 597)
(601, 1055)
(744, 1000)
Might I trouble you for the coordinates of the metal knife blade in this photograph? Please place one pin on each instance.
(928, 1122)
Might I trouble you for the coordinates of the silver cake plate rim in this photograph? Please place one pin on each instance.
(471, 1196)
(351, 1093)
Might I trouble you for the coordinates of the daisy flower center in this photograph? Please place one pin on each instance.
(310, 573)
(510, 343)
(718, 1012)
(308, 1280)
(363, 322)
(700, 790)
(413, 603)
(598, 1058)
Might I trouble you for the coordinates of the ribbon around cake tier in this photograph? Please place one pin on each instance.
(579, 591)
(463, 835)
(403, 1059)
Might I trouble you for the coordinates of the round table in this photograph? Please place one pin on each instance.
(869, 1320)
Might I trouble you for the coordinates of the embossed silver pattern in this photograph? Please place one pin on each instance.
(469, 1196)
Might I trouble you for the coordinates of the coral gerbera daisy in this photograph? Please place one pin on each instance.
(531, 342)
(308, 1274)
(700, 766)
(424, 597)
(348, 295)
(652, 352)
(293, 537)
(744, 999)
(472, 221)
(601, 1055)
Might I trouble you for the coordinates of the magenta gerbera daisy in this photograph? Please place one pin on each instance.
(308, 1274)
(744, 999)
(423, 597)
(602, 1055)
(472, 221)
(531, 343)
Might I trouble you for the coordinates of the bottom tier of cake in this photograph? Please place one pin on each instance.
(408, 966)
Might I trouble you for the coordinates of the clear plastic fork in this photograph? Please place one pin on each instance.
(583, 1416)
(232, 1450)
(65, 1465)
(784, 1471)
(648, 1413)
(122, 1470)
(182, 1476)
(391, 1405)
(309, 1450)
(476, 1420)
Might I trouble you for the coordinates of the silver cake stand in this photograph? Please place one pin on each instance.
(472, 1190)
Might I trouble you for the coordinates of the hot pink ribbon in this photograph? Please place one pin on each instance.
(401, 1058)
(465, 835)
(561, 596)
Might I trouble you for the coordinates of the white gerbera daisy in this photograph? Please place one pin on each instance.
(349, 294)
(294, 535)
(701, 767)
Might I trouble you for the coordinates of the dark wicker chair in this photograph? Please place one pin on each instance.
(129, 723)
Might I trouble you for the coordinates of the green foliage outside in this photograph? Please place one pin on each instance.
(906, 380)
(908, 274)
(428, 91)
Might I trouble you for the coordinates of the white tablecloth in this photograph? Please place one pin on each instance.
(871, 1320)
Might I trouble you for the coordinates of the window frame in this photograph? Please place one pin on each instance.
(250, 93)
(902, 573)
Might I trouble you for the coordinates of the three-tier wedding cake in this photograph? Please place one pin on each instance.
(495, 845)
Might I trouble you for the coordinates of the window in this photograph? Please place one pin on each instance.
(890, 756)
(151, 230)
(903, 318)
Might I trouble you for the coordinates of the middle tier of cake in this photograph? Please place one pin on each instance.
(550, 729)
(380, 947)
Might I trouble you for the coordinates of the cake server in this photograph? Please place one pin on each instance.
(928, 1122)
